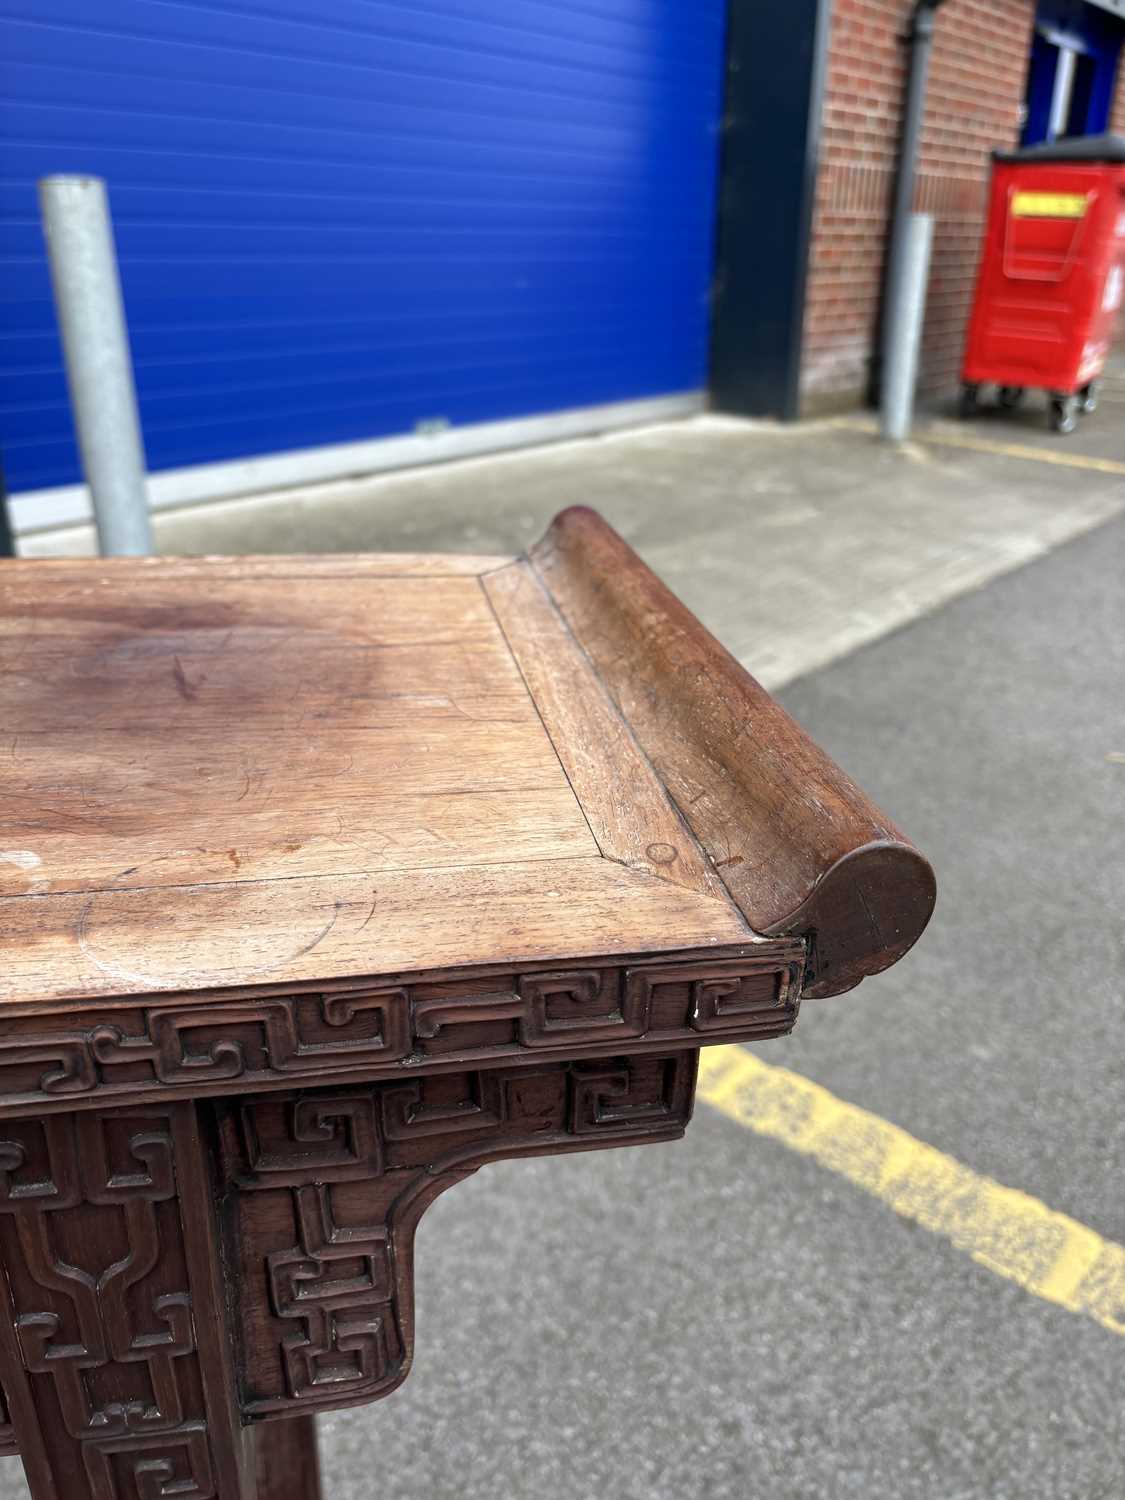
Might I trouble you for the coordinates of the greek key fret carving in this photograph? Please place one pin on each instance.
(431, 1016)
(161, 1049)
(332, 1311)
(284, 1141)
(587, 1003)
(47, 1177)
(152, 1466)
(336, 1285)
(98, 1294)
(651, 1091)
(73, 1063)
(290, 1035)
(728, 998)
(406, 1116)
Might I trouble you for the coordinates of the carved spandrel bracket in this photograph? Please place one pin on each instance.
(197, 1047)
(325, 1190)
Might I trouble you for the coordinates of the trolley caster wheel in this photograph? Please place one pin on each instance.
(1010, 396)
(1064, 414)
(1088, 398)
(969, 402)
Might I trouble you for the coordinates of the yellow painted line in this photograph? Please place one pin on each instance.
(1013, 1234)
(987, 445)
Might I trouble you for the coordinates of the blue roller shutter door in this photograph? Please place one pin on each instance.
(346, 219)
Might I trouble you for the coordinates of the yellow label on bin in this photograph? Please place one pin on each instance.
(1049, 205)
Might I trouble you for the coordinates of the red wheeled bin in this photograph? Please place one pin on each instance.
(1051, 276)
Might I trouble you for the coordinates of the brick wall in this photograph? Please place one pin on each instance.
(977, 78)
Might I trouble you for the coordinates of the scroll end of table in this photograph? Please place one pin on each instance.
(861, 917)
(800, 847)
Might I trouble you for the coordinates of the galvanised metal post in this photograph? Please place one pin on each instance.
(907, 312)
(99, 368)
(921, 40)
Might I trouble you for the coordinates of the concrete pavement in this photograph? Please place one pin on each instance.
(794, 544)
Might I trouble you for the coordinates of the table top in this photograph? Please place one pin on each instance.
(239, 772)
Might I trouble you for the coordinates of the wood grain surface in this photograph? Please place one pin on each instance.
(625, 802)
(168, 938)
(221, 772)
(286, 1461)
(800, 847)
(260, 730)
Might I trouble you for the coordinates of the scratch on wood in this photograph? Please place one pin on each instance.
(185, 689)
(187, 976)
(872, 919)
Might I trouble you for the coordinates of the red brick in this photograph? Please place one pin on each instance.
(977, 77)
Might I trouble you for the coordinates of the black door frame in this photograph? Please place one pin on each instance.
(776, 60)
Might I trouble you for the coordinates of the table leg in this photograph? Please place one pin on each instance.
(126, 1284)
(285, 1460)
(113, 1357)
